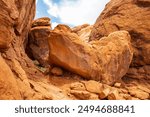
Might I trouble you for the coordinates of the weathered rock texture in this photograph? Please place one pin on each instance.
(44, 21)
(133, 16)
(17, 72)
(95, 90)
(37, 47)
(8, 84)
(106, 60)
(16, 17)
(83, 31)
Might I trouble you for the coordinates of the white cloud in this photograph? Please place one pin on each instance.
(53, 7)
(36, 1)
(54, 24)
(76, 12)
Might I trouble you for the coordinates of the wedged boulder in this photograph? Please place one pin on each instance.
(37, 47)
(132, 16)
(44, 21)
(105, 60)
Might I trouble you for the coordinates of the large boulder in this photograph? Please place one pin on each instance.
(44, 21)
(37, 47)
(133, 16)
(106, 60)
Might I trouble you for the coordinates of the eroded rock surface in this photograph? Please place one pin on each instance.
(106, 60)
(37, 47)
(44, 21)
(8, 84)
(83, 31)
(17, 71)
(16, 17)
(133, 16)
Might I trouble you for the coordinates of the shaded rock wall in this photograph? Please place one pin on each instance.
(133, 16)
(37, 47)
(16, 17)
(17, 71)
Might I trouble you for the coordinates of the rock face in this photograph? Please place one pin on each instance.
(37, 47)
(106, 60)
(83, 31)
(16, 17)
(7, 21)
(8, 84)
(14, 20)
(17, 71)
(133, 16)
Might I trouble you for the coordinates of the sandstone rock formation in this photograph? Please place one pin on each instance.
(17, 71)
(37, 47)
(106, 60)
(8, 84)
(62, 28)
(133, 16)
(44, 21)
(15, 23)
(8, 18)
(83, 31)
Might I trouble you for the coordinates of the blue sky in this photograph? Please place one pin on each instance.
(70, 12)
